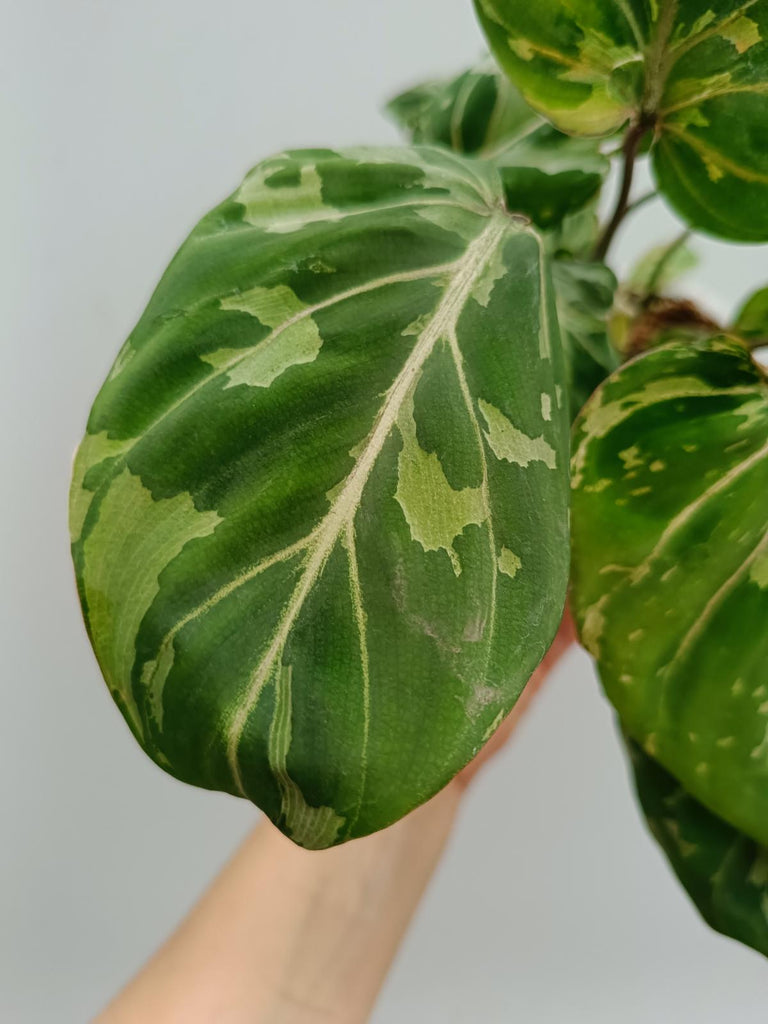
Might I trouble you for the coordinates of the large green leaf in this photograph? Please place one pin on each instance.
(670, 565)
(320, 513)
(695, 72)
(724, 872)
(546, 175)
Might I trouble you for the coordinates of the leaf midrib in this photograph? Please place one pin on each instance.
(325, 536)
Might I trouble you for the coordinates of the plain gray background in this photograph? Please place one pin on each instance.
(122, 124)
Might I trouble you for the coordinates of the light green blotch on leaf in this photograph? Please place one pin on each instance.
(702, 22)
(744, 34)
(600, 417)
(512, 445)
(295, 337)
(94, 448)
(314, 828)
(494, 270)
(283, 208)
(153, 676)
(272, 306)
(509, 563)
(759, 572)
(436, 513)
(135, 539)
(688, 91)
(600, 56)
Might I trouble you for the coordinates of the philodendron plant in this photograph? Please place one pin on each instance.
(320, 517)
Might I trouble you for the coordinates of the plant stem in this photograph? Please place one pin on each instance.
(630, 150)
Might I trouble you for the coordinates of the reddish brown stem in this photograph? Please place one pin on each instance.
(630, 150)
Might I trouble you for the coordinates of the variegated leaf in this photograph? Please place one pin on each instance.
(320, 513)
(670, 565)
(546, 175)
(697, 72)
(724, 871)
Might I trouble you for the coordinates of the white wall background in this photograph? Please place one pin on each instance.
(122, 123)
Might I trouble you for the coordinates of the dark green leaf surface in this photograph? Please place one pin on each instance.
(670, 565)
(320, 514)
(546, 175)
(724, 872)
(478, 112)
(699, 70)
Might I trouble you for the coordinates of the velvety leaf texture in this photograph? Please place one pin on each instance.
(545, 174)
(670, 565)
(698, 71)
(724, 871)
(319, 517)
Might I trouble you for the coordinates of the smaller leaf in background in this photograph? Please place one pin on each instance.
(752, 320)
(584, 297)
(661, 267)
(670, 564)
(724, 871)
(546, 175)
(576, 235)
(476, 112)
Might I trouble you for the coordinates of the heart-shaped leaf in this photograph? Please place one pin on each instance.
(546, 175)
(697, 74)
(724, 872)
(320, 513)
(670, 565)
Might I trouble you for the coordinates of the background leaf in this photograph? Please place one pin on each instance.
(552, 178)
(670, 565)
(546, 175)
(724, 872)
(319, 518)
(698, 75)
(584, 293)
(661, 267)
(752, 320)
(478, 112)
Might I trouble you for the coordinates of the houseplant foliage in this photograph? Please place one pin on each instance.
(320, 516)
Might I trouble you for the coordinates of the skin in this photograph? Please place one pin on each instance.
(286, 936)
